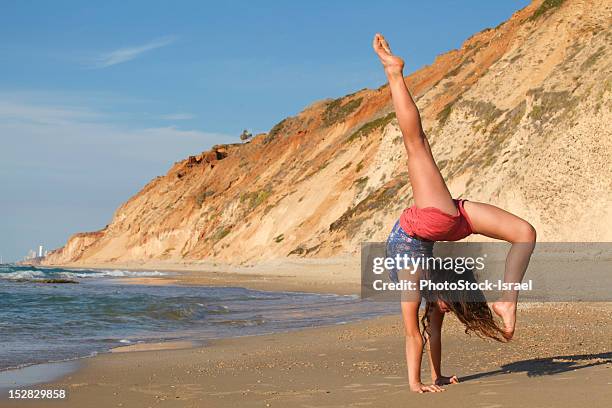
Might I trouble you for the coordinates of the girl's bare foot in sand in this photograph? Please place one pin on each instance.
(392, 63)
(422, 388)
(443, 380)
(507, 312)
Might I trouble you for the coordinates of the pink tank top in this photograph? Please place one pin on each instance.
(432, 224)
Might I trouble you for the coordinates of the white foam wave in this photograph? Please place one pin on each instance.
(22, 275)
(115, 273)
(73, 274)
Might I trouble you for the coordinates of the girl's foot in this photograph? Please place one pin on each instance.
(507, 312)
(444, 380)
(421, 388)
(392, 63)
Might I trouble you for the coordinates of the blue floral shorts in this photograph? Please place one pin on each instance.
(400, 243)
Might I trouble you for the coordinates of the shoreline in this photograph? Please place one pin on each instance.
(307, 277)
(340, 275)
(358, 363)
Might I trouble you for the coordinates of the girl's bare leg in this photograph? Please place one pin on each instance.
(496, 223)
(436, 318)
(428, 186)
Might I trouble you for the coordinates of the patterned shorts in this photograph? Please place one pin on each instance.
(400, 243)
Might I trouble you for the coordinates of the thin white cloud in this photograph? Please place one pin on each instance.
(67, 122)
(178, 116)
(121, 55)
(44, 114)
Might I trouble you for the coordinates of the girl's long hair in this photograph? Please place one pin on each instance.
(470, 307)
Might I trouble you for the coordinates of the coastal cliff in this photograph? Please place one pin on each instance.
(519, 116)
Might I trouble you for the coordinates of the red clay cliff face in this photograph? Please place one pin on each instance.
(517, 116)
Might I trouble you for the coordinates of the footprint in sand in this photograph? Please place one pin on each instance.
(365, 390)
(486, 392)
(487, 383)
(402, 391)
(365, 349)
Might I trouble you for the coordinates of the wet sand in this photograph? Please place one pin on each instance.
(561, 357)
(339, 275)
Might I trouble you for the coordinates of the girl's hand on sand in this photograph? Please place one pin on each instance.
(422, 388)
(443, 380)
(392, 63)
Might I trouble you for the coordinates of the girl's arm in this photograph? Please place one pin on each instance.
(414, 344)
(414, 347)
(434, 342)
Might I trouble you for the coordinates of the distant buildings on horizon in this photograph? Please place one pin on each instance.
(36, 256)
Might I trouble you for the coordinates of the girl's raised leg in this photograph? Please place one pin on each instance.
(428, 186)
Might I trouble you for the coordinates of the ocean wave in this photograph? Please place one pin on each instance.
(34, 274)
(114, 273)
(23, 275)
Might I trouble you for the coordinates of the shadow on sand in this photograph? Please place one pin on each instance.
(547, 366)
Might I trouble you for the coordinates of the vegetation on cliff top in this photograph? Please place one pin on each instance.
(371, 126)
(545, 7)
(337, 111)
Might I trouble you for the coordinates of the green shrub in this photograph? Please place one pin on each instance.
(545, 7)
(551, 103)
(359, 167)
(371, 126)
(220, 233)
(444, 114)
(276, 130)
(202, 195)
(459, 67)
(381, 198)
(512, 120)
(255, 198)
(487, 112)
(593, 58)
(303, 251)
(346, 166)
(336, 111)
(360, 183)
(536, 112)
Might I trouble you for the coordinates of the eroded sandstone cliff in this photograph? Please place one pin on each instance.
(519, 116)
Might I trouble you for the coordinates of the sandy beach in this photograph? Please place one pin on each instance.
(557, 360)
(561, 357)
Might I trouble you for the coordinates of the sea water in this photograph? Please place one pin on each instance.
(42, 320)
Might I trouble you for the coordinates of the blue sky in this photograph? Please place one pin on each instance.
(97, 98)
